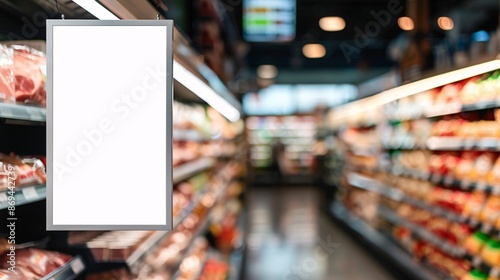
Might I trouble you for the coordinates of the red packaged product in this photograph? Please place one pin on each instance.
(34, 263)
(58, 258)
(6, 75)
(8, 275)
(29, 66)
(25, 175)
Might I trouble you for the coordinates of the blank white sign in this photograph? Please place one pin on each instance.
(109, 125)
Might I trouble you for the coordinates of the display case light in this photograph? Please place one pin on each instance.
(205, 92)
(409, 89)
(96, 9)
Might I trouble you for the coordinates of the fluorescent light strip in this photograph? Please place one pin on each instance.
(205, 92)
(96, 9)
(181, 74)
(390, 95)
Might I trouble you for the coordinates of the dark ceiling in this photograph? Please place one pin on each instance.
(373, 60)
(470, 16)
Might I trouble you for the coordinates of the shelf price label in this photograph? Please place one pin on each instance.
(476, 262)
(77, 266)
(30, 193)
(465, 185)
(3, 198)
(6, 112)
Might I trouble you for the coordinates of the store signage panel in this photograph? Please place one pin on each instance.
(109, 125)
(269, 20)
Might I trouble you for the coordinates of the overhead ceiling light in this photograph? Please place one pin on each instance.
(420, 86)
(332, 24)
(267, 71)
(96, 9)
(205, 92)
(406, 23)
(445, 23)
(314, 51)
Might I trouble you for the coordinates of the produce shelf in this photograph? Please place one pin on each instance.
(69, 271)
(23, 195)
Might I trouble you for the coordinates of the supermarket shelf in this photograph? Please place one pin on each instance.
(149, 245)
(69, 271)
(447, 181)
(436, 210)
(404, 147)
(188, 135)
(382, 244)
(22, 112)
(191, 168)
(481, 106)
(135, 258)
(203, 227)
(24, 195)
(200, 271)
(449, 109)
(370, 184)
(478, 263)
(443, 245)
(458, 144)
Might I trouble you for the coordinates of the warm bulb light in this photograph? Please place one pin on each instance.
(406, 23)
(267, 72)
(314, 51)
(445, 23)
(332, 24)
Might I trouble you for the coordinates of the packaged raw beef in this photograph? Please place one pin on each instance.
(29, 72)
(35, 263)
(8, 275)
(6, 75)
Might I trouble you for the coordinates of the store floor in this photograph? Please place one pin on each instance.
(290, 238)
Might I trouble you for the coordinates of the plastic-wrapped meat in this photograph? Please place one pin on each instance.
(34, 263)
(6, 75)
(8, 275)
(58, 258)
(29, 79)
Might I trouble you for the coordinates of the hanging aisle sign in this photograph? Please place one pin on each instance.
(109, 124)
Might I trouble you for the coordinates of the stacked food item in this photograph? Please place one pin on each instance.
(30, 263)
(434, 182)
(201, 132)
(449, 98)
(292, 134)
(23, 171)
(183, 252)
(22, 75)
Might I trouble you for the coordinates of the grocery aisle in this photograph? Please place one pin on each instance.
(290, 238)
